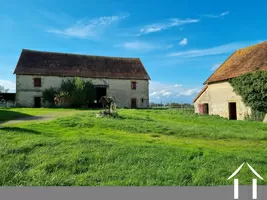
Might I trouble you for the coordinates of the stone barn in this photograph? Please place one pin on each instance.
(124, 79)
(217, 97)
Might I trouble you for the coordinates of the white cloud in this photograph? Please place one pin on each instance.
(178, 85)
(214, 67)
(137, 45)
(164, 93)
(169, 46)
(224, 13)
(226, 48)
(88, 29)
(188, 92)
(165, 25)
(183, 42)
(8, 85)
(170, 92)
(219, 15)
(141, 45)
(153, 93)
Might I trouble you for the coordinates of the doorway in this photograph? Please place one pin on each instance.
(133, 103)
(37, 102)
(206, 108)
(98, 93)
(232, 111)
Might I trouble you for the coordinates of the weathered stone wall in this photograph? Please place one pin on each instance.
(218, 95)
(120, 89)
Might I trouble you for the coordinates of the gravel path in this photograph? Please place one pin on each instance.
(24, 119)
(49, 116)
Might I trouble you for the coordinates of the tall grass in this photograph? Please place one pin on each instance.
(140, 148)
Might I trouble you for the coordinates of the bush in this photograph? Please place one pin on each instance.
(62, 99)
(49, 95)
(79, 92)
(72, 92)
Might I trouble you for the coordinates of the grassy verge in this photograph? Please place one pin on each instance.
(141, 148)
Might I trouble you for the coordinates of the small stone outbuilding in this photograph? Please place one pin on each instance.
(217, 97)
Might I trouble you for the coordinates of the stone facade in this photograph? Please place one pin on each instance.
(120, 89)
(218, 96)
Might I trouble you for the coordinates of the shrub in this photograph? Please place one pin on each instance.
(49, 95)
(78, 91)
(72, 92)
(62, 99)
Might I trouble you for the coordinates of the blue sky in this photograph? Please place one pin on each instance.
(180, 42)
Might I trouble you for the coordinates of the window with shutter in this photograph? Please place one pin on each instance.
(133, 85)
(37, 82)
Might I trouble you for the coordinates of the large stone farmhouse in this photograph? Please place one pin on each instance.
(124, 79)
(218, 97)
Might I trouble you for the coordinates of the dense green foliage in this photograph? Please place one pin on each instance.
(72, 92)
(80, 92)
(252, 87)
(255, 116)
(49, 95)
(164, 147)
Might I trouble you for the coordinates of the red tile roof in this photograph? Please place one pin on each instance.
(240, 62)
(66, 64)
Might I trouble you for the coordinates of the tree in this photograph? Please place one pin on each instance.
(49, 95)
(3, 89)
(72, 92)
(79, 91)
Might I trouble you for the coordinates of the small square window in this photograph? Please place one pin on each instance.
(133, 85)
(37, 82)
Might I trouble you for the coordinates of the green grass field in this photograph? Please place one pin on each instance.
(140, 148)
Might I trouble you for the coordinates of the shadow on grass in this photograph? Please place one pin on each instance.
(17, 129)
(159, 108)
(6, 115)
(75, 108)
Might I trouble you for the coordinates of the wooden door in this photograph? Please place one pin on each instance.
(206, 108)
(133, 103)
(232, 111)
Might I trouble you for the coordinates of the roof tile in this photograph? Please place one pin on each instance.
(66, 64)
(240, 62)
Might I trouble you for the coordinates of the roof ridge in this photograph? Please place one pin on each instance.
(33, 62)
(252, 45)
(206, 82)
(76, 54)
(241, 61)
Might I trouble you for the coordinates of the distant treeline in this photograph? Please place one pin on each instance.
(171, 105)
